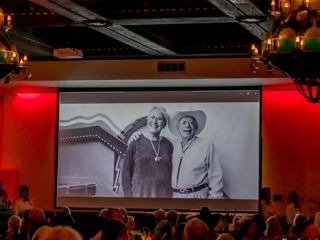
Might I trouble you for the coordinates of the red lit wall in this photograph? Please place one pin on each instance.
(29, 142)
(291, 160)
(9, 181)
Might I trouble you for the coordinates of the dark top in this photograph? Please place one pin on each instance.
(142, 176)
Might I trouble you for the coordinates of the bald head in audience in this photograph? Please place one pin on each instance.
(196, 229)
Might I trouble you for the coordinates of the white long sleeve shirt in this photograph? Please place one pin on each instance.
(196, 164)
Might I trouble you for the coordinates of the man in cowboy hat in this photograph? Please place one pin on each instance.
(196, 173)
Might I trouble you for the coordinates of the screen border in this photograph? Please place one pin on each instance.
(142, 89)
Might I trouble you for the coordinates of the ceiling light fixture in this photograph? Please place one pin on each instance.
(9, 58)
(251, 19)
(97, 23)
(293, 45)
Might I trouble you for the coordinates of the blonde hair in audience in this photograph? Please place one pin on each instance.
(225, 236)
(41, 233)
(14, 224)
(63, 233)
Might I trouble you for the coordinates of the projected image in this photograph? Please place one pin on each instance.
(186, 167)
(166, 148)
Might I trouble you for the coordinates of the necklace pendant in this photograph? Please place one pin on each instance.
(157, 158)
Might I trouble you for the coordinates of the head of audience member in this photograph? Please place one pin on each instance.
(36, 219)
(63, 220)
(63, 233)
(305, 230)
(265, 195)
(124, 215)
(14, 224)
(49, 217)
(163, 231)
(218, 224)
(205, 216)
(160, 215)
(294, 198)
(64, 210)
(114, 230)
(36, 215)
(115, 214)
(3, 196)
(172, 217)
(261, 224)
(225, 236)
(248, 229)
(131, 223)
(273, 228)
(204, 211)
(103, 213)
(178, 233)
(106, 214)
(236, 222)
(196, 229)
(24, 193)
(41, 233)
(299, 217)
(112, 213)
(101, 218)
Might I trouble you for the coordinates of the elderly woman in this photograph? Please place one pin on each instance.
(147, 167)
(196, 173)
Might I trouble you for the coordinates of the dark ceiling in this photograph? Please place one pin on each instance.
(135, 29)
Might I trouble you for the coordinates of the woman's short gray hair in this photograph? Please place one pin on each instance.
(163, 112)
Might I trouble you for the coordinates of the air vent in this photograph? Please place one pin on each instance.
(171, 66)
(68, 53)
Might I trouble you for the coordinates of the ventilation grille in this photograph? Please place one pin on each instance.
(171, 67)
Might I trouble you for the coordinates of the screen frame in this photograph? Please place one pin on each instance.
(123, 202)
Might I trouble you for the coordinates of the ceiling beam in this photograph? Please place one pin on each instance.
(29, 44)
(134, 21)
(78, 14)
(173, 21)
(241, 8)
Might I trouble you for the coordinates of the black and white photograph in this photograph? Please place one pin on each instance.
(168, 148)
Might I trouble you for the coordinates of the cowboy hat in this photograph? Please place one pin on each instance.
(174, 119)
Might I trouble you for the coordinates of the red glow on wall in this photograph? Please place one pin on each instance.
(289, 107)
(28, 95)
(31, 101)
